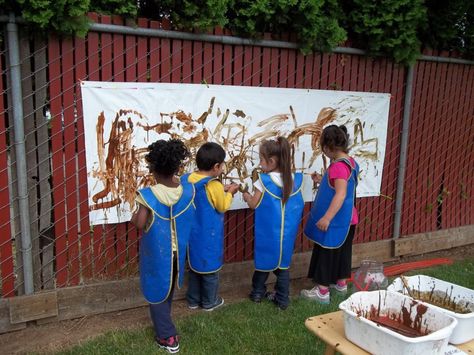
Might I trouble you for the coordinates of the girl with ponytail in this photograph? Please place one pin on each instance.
(278, 204)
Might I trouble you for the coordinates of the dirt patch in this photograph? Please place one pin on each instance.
(64, 334)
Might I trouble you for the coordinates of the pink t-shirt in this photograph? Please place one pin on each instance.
(340, 170)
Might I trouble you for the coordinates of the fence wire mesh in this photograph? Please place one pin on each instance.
(67, 251)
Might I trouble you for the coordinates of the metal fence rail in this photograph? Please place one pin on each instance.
(66, 251)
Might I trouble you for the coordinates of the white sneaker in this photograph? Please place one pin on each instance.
(219, 302)
(315, 295)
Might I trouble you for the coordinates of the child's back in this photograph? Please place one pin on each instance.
(206, 244)
(165, 215)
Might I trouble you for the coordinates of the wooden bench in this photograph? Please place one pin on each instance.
(330, 329)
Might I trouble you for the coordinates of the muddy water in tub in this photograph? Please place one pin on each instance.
(399, 321)
(443, 299)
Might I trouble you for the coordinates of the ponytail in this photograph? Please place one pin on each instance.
(280, 149)
(284, 162)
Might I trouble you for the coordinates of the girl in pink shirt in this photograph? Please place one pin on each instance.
(331, 224)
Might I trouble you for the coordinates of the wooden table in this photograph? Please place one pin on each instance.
(330, 329)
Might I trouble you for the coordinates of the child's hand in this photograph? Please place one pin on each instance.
(316, 177)
(323, 224)
(232, 188)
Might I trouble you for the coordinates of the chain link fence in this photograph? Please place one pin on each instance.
(67, 251)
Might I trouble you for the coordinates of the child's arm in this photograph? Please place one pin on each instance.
(140, 217)
(252, 200)
(221, 196)
(340, 186)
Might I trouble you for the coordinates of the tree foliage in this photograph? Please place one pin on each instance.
(450, 26)
(387, 27)
(311, 21)
(394, 28)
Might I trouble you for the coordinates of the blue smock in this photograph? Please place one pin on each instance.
(156, 251)
(276, 224)
(338, 229)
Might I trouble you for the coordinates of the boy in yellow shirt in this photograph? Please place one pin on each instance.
(206, 243)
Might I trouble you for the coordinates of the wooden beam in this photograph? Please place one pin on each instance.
(434, 241)
(27, 308)
(5, 324)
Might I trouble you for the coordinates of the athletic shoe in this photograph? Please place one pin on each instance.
(255, 298)
(170, 344)
(271, 296)
(193, 306)
(342, 289)
(315, 294)
(219, 302)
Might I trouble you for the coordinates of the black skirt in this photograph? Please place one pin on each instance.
(329, 265)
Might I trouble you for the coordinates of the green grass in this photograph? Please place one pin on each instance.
(248, 328)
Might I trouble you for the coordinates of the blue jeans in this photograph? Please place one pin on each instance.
(282, 286)
(202, 289)
(161, 313)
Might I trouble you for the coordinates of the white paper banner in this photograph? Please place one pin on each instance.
(122, 119)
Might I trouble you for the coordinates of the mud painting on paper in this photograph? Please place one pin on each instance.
(122, 119)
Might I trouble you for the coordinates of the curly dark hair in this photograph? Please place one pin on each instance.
(335, 138)
(166, 157)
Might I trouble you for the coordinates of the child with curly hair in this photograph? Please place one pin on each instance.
(165, 215)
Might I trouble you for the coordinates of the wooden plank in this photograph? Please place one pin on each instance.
(5, 325)
(187, 61)
(143, 55)
(380, 250)
(44, 168)
(31, 156)
(105, 69)
(433, 241)
(117, 60)
(290, 64)
(70, 157)
(238, 65)
(6, 250)
(207, 66)
(57, 173)
(32, 307)
(249, 228)
(197, 65)
(80, 54)
(176, 60)
(131, 59)
(227, 65)
(300, 70)
(154, 56)
(274, 67)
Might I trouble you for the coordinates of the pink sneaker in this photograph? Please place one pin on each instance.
(340, 287)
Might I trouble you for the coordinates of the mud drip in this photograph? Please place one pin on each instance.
(444, 300)
(401, 321)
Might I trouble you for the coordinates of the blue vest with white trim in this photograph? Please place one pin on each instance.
(206, 243)
(156, 251)
(338, 229)
(276, 224)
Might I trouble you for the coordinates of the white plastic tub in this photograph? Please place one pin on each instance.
(380, 340)
(464, 331)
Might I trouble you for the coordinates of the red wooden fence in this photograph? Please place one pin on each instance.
(439, 180)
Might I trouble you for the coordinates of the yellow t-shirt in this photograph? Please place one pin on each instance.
(219, 199)
(167, 196)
